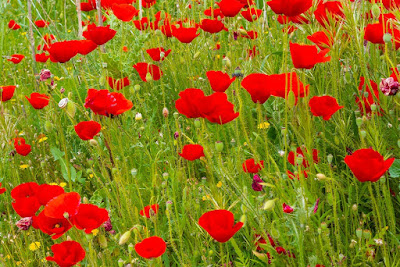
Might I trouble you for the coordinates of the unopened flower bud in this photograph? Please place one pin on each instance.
(138, 116)
(375, 10)
(270, 204)
(359, 122)
(102, 241)
(219, 146)
(366, 234)
(330, 158)
(321, 176)
(131, 247)
(165, 112)
(134, 172)
(373, 107)
(387, 37)
(197, 123)
(243, 218)
(93, 142)
(124, 238)
(363, 133)
(149, 78)
(359, 232)
(354, 207)
(121, 262)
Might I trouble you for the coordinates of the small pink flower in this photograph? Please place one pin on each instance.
(256, 183)
(389, 86)
(44, 74)
(24, 223)
(316, 206)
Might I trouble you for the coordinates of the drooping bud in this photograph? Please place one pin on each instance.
(124, 238)
(219, 146)
(270, 204)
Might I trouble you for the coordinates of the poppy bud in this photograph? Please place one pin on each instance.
(197, 123)
(321, 176)
(352, 243)
(359, 232)
(48, 126)
(138, 116)
(93, 142)
(227, 62)
(387, 37)
(176, 115)
(196, 55)
(243, 218)
(85, 200)
(330, 158)
(363, 133)
(291, 99)
(242, 31)
(270, 204)
(324, 226)
(162, 55)
(373, 107)
(367, 234)
(299, 159)
(164, 184)
(359, 122)
(219, 146)
(136, 87)
(71, 109)
(102, 241)
(134, 172)
(210, 252)
(124, 238)
(366, 94)
(165, 112)
(121, 262)
(354, 207)
(131, 247)
(375, 11)
(102, 81)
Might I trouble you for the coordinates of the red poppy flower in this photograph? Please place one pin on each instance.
(290, 8)
(88, 6)
(86, 130)
(151, 247)
(250, 166)
(374, 33)
(107, 4)
(166, 28)
(43, 57)
(104, 103)
(21, 147)
(6, 92)
(282, 19)
(150, 210)
(2, 190)
(185, 35)
(41, 23)
(26, 204)
(26, 207)
(63, 51)
(331, 10)
(300, 153)
(16, 58)
(24, 190)
(368, 164)
(125, 12)
(219, 81)
(286, 209)
(144, 69)
(63, 206)
(220, 224)
(89, 217)
(230, 8)
(214, 13)
(38, 101)
(248, 34)
(67, 253)
(188, 102)
(86, 46)
(262, 86)
(373, 96)
(251, 14)
(158, 54)
(46, 192)
(192, 152)
(324, 106)
(99, 34)
(321, 39)
(217, 109)
(307, 56)
(48, 38)
(212, 25)
(51, 226)
(142, 24)
(148, 3)
(118, 84)
(13, 25)
(391, 4)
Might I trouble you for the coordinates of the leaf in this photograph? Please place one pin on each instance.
(394, 170)
(57, 153)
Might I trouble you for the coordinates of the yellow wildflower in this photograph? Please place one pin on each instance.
(34, 246)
